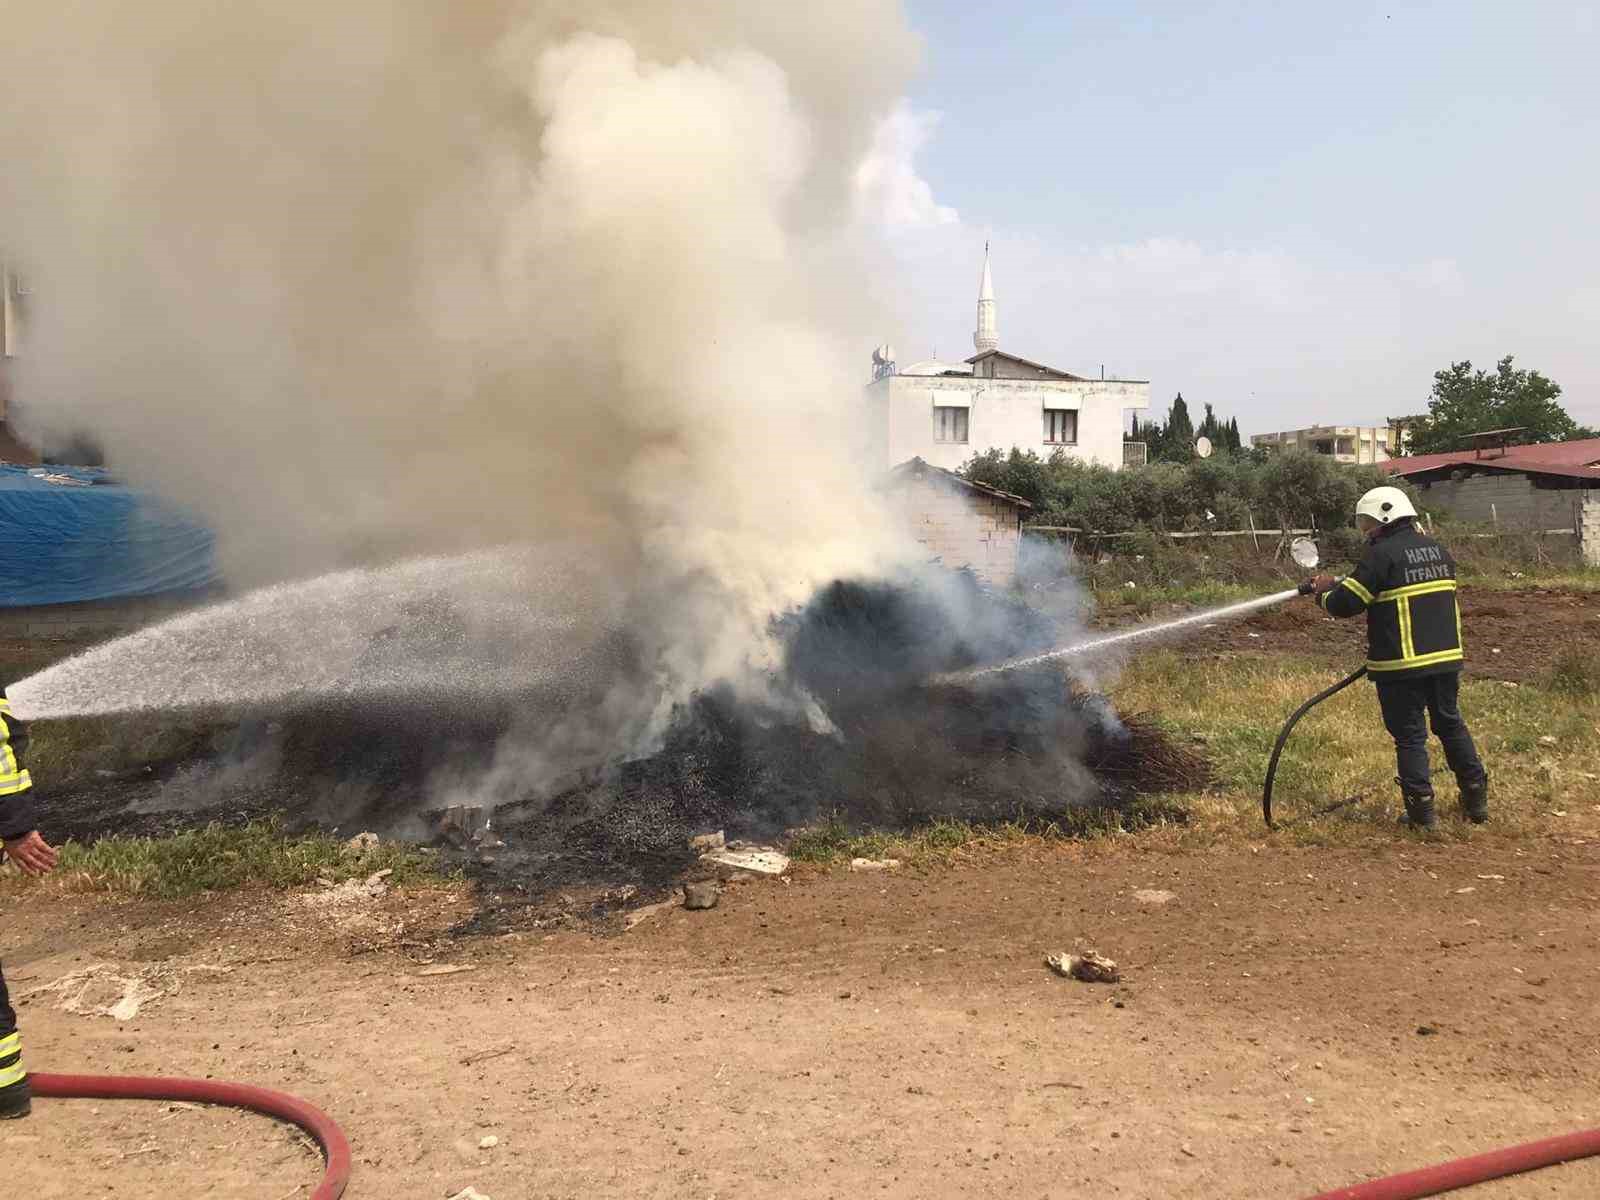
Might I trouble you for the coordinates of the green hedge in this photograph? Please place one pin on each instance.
(1301, 489)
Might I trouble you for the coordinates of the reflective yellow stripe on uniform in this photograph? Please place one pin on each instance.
(1418, 589)
(12, 1075)
(1421, 660)
(1355, 586)
(13, 778)
(9, 1045)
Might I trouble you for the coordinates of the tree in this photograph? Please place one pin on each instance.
(1178, 436)
(1233, 434)
(1464, 401)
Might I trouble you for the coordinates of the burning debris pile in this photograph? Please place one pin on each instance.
(860, 723)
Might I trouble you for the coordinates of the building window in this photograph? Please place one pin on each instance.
(1347, 445)
(1325, 446)
(949, 424)
(1061, 426)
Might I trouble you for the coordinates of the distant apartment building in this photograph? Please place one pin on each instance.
(945, 412)
(1342, 443)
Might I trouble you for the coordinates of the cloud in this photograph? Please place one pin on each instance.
(889, 192)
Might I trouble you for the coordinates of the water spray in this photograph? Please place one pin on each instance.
(1303, 551)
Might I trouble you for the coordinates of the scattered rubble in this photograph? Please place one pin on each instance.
(640, 915)
(1087, 967)
(701, 894)
(467, 825)
(351, 891)
(488, 1142)
(362, 843)
(706, 843)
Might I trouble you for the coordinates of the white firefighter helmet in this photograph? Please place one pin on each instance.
(1385, 504)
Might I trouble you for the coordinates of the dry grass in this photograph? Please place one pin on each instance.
(1541, 745)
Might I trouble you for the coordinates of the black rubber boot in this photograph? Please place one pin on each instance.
(1475, 802)
(16, 1101)
(1419, 812)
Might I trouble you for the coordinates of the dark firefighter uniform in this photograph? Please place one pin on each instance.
(1406, 584)
(16, 820)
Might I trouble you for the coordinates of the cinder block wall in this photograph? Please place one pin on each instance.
(964, 529)
(1589, 526)
(1510, 500)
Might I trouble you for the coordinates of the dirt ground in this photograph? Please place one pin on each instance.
(1508, 635)
(1289, 1021)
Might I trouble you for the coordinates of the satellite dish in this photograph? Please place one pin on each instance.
(1305, 554)
(1202, 446)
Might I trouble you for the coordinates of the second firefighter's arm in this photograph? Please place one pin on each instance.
(16, 787)
(1351, 595)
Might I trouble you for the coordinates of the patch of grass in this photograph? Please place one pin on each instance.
(220, 858)
(1586, 579)
(1539, 743)
(1576, 672)
(76, 750)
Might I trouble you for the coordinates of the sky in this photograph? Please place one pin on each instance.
(1294, 212)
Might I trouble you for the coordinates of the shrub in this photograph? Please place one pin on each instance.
(1298, 489)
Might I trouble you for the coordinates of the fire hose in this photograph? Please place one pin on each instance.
(1288, 728)
(1480, 1168)
(335, 1146)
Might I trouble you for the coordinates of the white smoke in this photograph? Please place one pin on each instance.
(392, 277)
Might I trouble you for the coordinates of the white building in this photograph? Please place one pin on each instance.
(1342, 443)
(944, 413)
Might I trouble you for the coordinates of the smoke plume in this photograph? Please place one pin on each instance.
(387, 278)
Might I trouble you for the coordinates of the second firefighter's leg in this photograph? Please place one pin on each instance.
(14, 1097)
(1404, 706)
(1444, 714)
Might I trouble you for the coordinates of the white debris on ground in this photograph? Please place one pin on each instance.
(701, 894)
(707, 843)
(102, 990)
(755, 860)
(350, 892)
(469, 1193)
(1154, 896)
(874, 864)
(1088, 967)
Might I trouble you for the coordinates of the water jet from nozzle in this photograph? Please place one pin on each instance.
(1303, 551)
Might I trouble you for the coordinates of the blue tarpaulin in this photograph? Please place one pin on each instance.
(87, 540)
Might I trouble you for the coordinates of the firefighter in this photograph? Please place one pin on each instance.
(1406, 584)
(35, 856)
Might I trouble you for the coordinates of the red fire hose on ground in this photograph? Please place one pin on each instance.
(1480, 1168)
(1412, 1185)
(335, 1146)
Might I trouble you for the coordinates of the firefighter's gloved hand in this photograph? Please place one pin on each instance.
(1307, 586)
(31, 853)
(1322, 583)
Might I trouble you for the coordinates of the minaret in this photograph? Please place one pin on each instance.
(986, 337)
